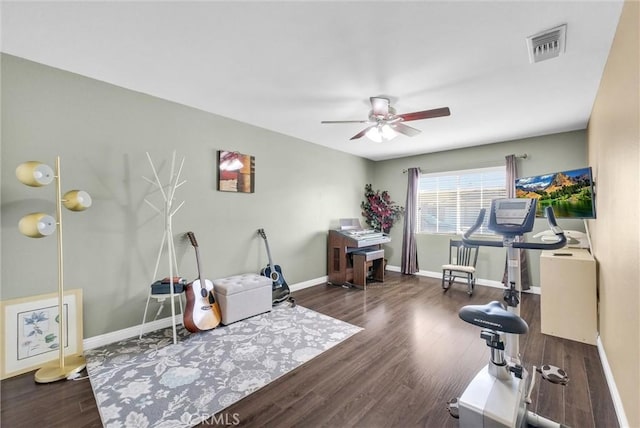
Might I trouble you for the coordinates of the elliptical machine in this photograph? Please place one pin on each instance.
(499, 393)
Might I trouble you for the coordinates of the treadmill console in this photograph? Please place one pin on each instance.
(512, 217)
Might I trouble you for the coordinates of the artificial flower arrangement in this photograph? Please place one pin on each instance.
(379, 211)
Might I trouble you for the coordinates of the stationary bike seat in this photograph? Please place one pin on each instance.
(494, 317)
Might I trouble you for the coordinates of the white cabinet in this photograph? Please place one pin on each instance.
(569, 300)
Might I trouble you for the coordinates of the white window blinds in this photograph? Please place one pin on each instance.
(449, 202)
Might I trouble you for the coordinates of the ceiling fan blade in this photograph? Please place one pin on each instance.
(426, 114)
(361, 133)
(406, 129)
(379, 106)
(345, 121)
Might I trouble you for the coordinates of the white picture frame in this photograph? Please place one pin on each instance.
(30, 331)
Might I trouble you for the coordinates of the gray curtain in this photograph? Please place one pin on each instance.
(512, 174)
(409, 249)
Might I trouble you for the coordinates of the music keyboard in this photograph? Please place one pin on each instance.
(345, 246)
(363, 238)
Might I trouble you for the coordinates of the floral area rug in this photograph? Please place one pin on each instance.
(151, 382)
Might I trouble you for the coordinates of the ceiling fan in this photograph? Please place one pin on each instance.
(385, 124)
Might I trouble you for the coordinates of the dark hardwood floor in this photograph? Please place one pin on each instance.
(413, 355)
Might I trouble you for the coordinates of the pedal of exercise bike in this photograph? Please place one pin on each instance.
(553, 374)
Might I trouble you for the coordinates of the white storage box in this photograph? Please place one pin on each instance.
(242, 296)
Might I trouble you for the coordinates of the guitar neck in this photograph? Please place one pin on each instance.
(194, 243)
(198, 265)
(266, 243)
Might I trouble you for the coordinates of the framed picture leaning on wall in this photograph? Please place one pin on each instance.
(30, 336)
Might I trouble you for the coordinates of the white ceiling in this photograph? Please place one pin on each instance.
(285, 66)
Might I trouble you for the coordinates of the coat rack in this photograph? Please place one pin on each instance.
(168, 211)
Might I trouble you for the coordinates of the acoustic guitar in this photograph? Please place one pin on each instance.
(201, 311)
(280, 289)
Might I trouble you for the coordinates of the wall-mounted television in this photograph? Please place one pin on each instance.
(570, 193)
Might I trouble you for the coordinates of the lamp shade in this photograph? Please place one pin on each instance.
(76, 200)
(381, 133)
(37, 225)
(34, 173)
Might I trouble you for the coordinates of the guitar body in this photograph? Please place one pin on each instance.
(280, 289)
(201, 311)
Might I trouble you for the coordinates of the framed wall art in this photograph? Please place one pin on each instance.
(236, 172)
(30, 336)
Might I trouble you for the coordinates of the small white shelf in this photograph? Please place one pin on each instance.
(568, 295)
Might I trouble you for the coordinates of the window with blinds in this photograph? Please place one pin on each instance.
(449, 202)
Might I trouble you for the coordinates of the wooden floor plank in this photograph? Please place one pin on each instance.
(577, 400)
(604, 414)
(551, 401)
(413, 355)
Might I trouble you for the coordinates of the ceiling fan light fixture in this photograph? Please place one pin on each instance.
(384, 124)
(381, 133)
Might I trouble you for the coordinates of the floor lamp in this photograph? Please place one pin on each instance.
(39, 225)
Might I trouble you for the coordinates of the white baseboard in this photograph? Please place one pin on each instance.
(126, 333)
(116, 336)
(306, 284)
(479, 281)
(613, 389)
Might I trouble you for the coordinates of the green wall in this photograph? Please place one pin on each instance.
(102, 133)
(545, 154)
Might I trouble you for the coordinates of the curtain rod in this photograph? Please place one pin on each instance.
(522, 156)
(404, 171)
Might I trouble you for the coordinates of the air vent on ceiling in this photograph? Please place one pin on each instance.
(548, 44)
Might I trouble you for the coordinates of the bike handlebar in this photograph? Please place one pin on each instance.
(551, 220)
(466, 237)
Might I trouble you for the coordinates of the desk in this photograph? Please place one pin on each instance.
(568, 295)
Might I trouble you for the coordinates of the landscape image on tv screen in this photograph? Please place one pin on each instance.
(570, 193)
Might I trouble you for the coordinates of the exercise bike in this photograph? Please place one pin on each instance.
(499, 393)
